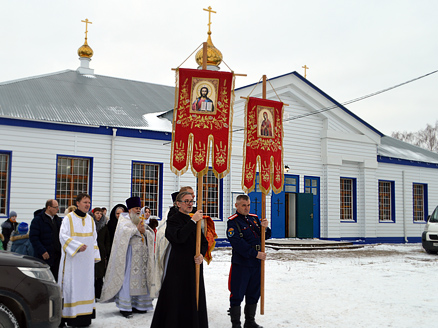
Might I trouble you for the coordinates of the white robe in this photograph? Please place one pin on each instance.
(76, 269)
(131, 254)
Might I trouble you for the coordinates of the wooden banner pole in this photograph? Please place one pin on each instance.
(262, 274)
(204, 55)
(199, 200)
(262, 248)
(198, 235)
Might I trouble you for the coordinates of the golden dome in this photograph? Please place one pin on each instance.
(85, 51)
(214, 56)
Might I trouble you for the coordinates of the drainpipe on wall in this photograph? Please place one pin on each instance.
(404, 207)
(112, 167)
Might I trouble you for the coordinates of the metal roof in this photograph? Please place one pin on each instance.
(95, 100)
(394, 148)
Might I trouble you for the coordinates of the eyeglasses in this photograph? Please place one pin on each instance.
(55, 206)
(188, 202)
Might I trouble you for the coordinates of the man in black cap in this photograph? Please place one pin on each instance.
(133, 249)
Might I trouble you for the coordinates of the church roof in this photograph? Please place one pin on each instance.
(94, 100)
(397, 149)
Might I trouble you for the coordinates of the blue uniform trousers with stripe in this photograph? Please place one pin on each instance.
(244, 281)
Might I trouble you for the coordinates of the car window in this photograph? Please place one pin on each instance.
(434, 216)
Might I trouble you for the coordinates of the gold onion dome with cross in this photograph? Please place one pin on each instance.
(85, 51)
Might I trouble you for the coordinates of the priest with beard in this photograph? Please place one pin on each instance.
(133, 250)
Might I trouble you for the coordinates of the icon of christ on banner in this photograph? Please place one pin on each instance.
(204, 95)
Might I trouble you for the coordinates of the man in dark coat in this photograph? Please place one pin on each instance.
(44, 235)
(244, 232)
(176, 305)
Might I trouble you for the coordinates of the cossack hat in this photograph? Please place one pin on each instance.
(133, 202)
(23, 228)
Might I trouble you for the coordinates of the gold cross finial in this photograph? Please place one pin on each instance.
(86, 21)
(209, 17)
(305, 70)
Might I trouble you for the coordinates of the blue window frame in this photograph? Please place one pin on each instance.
(348, 201)
(147, 183)
(386, 201)
(291, 183)
(73, 176)
(5, 182)
(420, 202)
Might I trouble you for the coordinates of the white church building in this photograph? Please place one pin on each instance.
(76, 131)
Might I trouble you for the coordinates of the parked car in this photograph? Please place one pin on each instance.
(429, 238)
(29, 294)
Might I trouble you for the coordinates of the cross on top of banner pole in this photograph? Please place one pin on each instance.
(214, 56)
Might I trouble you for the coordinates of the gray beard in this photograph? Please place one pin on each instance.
(135, 218)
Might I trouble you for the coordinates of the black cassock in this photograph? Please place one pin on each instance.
(176, 305)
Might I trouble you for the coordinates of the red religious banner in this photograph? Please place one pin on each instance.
(263, 145)
(202, 116)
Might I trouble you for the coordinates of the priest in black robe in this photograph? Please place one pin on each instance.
(176, 305)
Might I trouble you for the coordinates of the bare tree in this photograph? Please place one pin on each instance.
(405, 136)
(426, 138)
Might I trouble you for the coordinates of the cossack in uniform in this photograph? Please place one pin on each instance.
(244, 235)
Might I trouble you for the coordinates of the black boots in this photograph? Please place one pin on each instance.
(250, 311)
(234, 313)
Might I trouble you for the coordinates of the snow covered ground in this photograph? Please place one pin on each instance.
(376, 286)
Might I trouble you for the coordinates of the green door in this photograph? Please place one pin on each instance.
(304, 215)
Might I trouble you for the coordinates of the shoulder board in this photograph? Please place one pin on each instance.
(253, 215)
(232, 217)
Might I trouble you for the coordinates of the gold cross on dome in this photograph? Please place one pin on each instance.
(209, 17)
(305, 70)
(86, 21)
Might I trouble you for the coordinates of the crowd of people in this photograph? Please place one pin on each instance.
(130, 259)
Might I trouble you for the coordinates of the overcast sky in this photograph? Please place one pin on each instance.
(352, 47)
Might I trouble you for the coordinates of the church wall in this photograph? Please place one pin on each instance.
(33, 166)
(350, 154)
(404, 205)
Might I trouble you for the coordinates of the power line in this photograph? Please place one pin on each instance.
(325, 109)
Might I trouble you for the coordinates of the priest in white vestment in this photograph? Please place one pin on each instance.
(129, 277)
(76, 270)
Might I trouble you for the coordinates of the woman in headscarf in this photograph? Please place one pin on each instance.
(103, 242)
(112, 223)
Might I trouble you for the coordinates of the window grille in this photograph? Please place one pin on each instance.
(385, 201)
(418, 194)
(146, 184)
(210, 195)
(73, 176)
(346, 202)
(4, 176)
